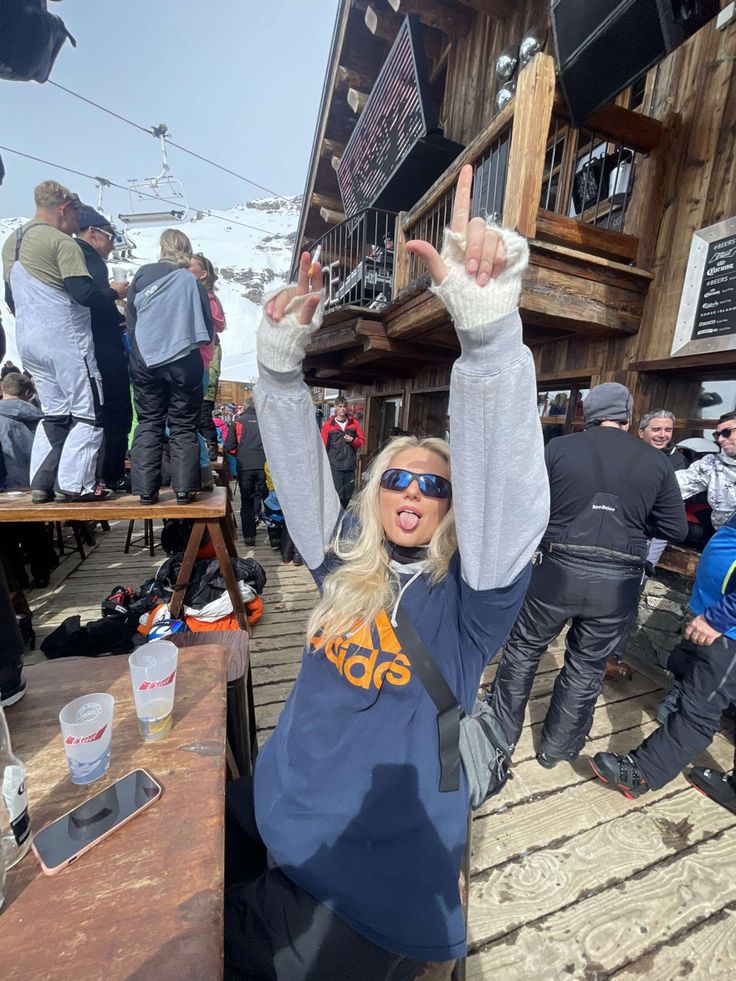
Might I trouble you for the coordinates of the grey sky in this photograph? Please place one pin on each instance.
(238, 81)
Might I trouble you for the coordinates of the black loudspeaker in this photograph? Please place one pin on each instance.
(603, 45)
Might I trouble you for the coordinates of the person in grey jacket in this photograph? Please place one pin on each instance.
(21, 541)
(18, 422)
(715, 474)
(169, 319)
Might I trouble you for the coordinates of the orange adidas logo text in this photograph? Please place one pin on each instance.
(361, 668)
(370, 656)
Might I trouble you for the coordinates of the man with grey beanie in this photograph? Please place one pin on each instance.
(609, 494)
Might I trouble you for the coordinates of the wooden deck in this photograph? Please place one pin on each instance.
(569, 879)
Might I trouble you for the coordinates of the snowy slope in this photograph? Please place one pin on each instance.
(250, 263)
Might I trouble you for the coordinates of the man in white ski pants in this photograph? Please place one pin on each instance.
(51, 291)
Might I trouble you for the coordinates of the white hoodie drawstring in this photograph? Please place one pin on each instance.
(403, 589)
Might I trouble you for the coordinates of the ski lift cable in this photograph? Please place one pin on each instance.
(150, 132)
(153, 197)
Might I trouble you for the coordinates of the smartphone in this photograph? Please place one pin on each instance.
(64, 840)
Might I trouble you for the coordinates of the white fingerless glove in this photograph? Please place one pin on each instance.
(281, 346)
(469, 304)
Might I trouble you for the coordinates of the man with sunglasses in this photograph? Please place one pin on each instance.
(716, 473)
(96, 238)
(49, 289)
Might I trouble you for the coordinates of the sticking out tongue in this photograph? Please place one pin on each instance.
(408, 520)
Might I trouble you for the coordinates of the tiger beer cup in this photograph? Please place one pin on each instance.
(153, 676)
(86, 728)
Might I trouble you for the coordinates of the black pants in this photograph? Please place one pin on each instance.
(174, 392)
(598, 602)
(27, 542)
(707, 690)
(208, 428)
(117, 412)
(344, 484)
(11, 648)
(287, 547)
(252, 484)
(274, 930)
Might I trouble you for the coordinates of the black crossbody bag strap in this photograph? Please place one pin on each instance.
(20, 234)
(448, 709)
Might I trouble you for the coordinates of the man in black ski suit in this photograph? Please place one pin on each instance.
(96, 239)
(609, 494)
(244, 442)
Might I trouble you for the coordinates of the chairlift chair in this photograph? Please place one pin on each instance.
(164, 189)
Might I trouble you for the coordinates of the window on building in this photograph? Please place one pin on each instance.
(561, 410)
(356, 407)
(428, 414)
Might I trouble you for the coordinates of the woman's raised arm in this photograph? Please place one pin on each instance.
(286, 415)
(499, 480)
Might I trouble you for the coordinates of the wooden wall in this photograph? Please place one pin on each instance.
(230, 391)
(471, 86)
(697, 82)
(694, 93)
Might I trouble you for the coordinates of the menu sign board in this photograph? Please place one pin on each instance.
(393, 120)
(716, 313)
(706, 321)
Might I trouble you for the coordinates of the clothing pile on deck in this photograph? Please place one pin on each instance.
(130, 617)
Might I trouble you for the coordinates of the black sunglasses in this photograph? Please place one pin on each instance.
(430, 484)
(726, 433)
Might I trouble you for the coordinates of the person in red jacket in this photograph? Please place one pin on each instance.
(342, 437)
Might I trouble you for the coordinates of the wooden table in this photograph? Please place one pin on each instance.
(146, 903)
(209, 512)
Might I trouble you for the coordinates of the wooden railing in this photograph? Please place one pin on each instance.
(587, 176)
(512, 145)
(594, 189)
(597, 190)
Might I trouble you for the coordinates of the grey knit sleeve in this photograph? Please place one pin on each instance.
(499, 479)
(297, 460)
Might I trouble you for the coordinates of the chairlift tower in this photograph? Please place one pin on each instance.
(147, 196)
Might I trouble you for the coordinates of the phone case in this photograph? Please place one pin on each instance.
(86, 848)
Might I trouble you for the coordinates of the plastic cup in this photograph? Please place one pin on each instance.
(153, 676)
(119, 275)
(86, 728)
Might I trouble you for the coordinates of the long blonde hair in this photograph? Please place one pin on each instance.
(176, 247)
(364, 583)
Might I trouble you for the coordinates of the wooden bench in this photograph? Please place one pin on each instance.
(208, 513)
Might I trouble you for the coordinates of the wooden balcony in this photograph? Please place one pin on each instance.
(588, 200)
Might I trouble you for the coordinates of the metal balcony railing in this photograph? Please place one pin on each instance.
(489, 190)
(587, 176)
(357, 259)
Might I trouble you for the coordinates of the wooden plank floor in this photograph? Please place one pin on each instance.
(569, 879)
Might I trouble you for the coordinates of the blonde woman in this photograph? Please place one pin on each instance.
(365, 848)
(169, 319)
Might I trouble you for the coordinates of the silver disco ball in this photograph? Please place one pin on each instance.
(505, 94)
(507, 62)
(531, 43)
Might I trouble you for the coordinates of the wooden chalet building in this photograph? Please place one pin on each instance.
(610, 209)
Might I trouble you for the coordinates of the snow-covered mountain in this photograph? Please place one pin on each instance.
(250, 262)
